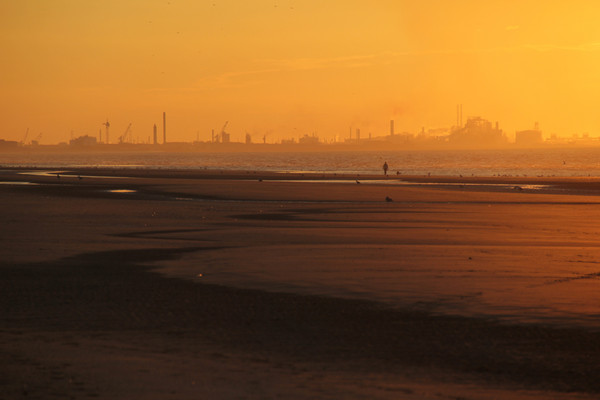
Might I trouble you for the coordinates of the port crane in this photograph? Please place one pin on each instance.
(107, 125)
(223, 129)
(222, 134)
(123, 137)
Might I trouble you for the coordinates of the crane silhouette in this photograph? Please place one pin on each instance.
(107, 125)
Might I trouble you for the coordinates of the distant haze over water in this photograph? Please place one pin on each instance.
(513, 162)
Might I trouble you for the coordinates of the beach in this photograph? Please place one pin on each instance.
(153, 284)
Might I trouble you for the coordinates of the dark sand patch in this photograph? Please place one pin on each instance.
(91, 296)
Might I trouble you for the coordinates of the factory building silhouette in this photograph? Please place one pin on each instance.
(476, 133)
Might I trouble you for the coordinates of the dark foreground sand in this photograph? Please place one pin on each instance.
(94, 300)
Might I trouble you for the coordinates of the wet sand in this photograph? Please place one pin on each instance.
(100, 293)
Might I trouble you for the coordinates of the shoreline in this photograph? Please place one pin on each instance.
(574, 186)
(242, 174)
(99, 296)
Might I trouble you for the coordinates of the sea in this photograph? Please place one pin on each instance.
(560, 162)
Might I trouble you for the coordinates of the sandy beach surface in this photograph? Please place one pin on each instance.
(157, 284)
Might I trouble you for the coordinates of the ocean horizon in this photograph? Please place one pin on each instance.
(560, 162)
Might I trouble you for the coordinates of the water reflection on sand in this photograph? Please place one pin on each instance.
(395, 182)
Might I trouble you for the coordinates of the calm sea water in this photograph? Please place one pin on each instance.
(512, 162)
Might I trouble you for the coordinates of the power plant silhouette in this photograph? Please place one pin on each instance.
(476, 132)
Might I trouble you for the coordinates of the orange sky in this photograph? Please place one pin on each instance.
(286, 67)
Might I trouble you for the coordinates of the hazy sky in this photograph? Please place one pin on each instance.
(288, 67)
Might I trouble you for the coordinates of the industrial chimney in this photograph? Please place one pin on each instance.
(164, 128)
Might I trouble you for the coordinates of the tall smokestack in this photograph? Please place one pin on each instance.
(164, 128)
(392, 127)
(155, 135)
(461, 115)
